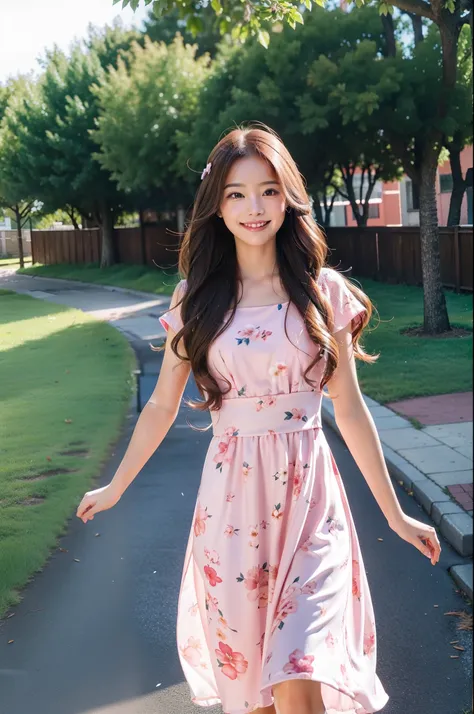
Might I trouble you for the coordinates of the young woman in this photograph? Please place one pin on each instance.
(274, 609)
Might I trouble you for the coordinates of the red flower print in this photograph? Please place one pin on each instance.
(212, 603)
(191, 651)
(232, 663)
(331, 640)
(287, 606)
(277, 513)
(220, 635)
(200, 520)
(310, 587)
(265, 402)
(344, 675)
(299, 663)
(272, 576)
(230, 531)
(298, 414)
(256, 581)
(251, 333)
(230, 497)
(369, 643)
(277, 369)
(335, 525)
(264, 524)
(226, 447)
(356, 579)
(212, 556)
(246, 469)
(253, 533)
(212, 576)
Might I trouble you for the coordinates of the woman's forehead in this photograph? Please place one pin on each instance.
(251, 170)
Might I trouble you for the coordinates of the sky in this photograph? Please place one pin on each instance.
(28, 26)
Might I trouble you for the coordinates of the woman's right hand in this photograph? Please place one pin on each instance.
(99, 500)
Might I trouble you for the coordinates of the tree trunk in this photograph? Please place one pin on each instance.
(417, 23)
(20, 236)
(142, 236)
(107, 257)
(435, 312)
(459, 187)
(389, 31)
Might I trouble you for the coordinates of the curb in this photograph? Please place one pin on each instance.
(453, 522)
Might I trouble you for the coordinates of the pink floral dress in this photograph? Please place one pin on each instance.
(274, 586)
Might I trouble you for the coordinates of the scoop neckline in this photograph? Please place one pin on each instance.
(254, 307)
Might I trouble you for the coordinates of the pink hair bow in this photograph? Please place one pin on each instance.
(206, 171)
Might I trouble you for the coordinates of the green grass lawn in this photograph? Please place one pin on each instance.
(66, 383)
(407, 366)
(136, 277)
(413, 366)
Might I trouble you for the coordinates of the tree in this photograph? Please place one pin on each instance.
(14, 194)
(461, 131)
(253, 18)
(276, 85)
(55, 150)
(143, 105)
(204, 30)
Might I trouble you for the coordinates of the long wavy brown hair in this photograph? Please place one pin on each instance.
(208, 262)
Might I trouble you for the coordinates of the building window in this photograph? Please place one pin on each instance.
(377, 191)
(413, 196)
(374, 211)
(445, 183)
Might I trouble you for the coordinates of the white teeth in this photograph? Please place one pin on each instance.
(255, 225)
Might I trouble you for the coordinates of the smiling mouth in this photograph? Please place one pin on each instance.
(259, 224)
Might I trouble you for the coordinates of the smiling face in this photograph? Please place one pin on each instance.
(253, 205)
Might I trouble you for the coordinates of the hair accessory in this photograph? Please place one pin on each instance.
(206, 171)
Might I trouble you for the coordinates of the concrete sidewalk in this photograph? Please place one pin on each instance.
(428, 462)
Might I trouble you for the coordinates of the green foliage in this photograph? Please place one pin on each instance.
(47, 147)
(143, 108)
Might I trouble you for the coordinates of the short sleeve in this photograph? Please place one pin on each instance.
(172, 318)
(345, 305)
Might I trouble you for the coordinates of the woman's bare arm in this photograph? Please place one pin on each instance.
(157, 416)
(358, 430)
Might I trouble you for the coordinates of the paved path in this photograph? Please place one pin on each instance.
(98, 635)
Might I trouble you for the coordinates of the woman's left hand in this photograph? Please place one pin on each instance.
(422, 536)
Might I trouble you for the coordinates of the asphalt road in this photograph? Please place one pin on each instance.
(98, 636)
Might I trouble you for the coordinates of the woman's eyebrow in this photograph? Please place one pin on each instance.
(264, 183)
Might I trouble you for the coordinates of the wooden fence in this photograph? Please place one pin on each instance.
(393, 255)
(157, 245)
(390, 255)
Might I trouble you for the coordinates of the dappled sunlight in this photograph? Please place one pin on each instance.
(23, 332)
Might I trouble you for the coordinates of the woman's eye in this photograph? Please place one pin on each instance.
(237, 193)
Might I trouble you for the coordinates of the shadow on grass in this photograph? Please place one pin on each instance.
(15, 307)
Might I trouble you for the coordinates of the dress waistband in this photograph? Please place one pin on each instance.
(270, 414)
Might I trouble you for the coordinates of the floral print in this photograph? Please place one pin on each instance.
(232, 663)
(250, 333)
(273, 583)
(299, 663)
